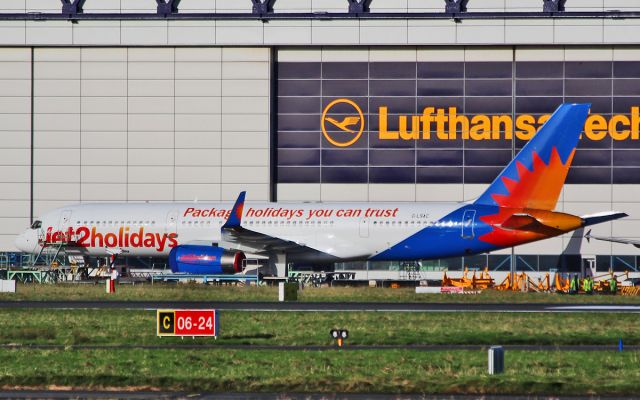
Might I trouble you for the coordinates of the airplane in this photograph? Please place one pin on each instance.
(209, 238)
(635, 243)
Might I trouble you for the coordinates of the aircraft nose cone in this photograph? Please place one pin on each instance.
(20, 242)
(23, 243)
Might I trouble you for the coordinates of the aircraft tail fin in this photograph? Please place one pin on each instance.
(534, 178)
(235, 217)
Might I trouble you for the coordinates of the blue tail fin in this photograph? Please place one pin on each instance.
(235, 217)
(535, 177)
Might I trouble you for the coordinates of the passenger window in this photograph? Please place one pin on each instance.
(36, 225)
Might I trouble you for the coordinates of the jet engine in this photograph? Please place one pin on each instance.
(202, 260)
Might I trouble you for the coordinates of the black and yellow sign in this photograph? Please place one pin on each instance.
(187, 323)
(166, 322)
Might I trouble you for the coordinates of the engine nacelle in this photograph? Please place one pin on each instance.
(202, 260)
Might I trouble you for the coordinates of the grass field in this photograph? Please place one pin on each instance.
(387, 371)
(198, 292)
(106, 327)
(328, 371)
(331, 370)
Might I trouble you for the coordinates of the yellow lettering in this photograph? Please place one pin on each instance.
(384, 134)
(441, 120)
(449, 124)
(455, 119)
(166, 322)
(507, 126)
(613, 127)
(635, 122)
(524, 127)
(427, 118)
(542, 119)
(480, 128)
(596, 127)
(415, 128)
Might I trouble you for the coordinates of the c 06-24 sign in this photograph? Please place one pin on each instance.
(187, 323)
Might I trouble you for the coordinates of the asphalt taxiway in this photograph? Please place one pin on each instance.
(331, 306)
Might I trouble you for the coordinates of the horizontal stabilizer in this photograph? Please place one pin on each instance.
(598, 218)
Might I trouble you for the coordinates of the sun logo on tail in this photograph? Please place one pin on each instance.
(537, 187)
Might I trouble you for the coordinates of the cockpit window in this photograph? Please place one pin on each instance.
(36, 225)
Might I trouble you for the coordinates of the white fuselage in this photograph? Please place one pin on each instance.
(341, 230)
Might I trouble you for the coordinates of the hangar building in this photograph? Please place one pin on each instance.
(143, 100)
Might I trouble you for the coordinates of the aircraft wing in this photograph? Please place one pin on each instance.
(235, 236)
(636, 243)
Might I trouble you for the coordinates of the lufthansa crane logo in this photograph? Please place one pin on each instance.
(348, 119)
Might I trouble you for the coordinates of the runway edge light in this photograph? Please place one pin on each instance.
(340, 335)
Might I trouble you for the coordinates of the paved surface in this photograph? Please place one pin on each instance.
(326, 306)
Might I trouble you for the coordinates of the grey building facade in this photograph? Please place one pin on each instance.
(141, 106)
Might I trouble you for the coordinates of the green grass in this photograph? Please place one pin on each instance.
(387, 371)
(331, 370)
(197, 292)
(106, 327)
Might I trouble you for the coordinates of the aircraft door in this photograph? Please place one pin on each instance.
(65, 220)
(468, 219)
(172, 222)
(364, 228)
